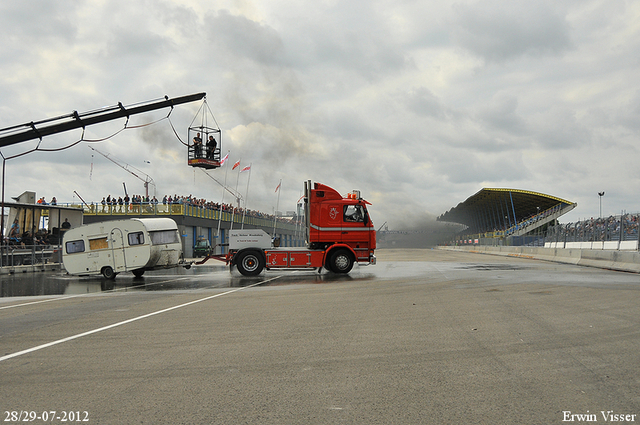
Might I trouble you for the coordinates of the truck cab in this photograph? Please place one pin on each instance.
(333, 219)
(339, 233)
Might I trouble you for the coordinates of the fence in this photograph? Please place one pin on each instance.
(29, 255)
(153, 209)
(614, 232)
(611, 229)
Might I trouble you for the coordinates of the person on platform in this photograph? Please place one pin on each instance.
(14, 232)
(197, 146)
(211, 147)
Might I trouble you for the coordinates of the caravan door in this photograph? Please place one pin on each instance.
(116, 238)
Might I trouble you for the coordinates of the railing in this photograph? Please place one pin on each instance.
(29, 255)
(614, 232)
(134, 209)
(153, 209)
(614, 228)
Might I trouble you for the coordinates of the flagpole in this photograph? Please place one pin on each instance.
(221, 205)
(275, 213)
(246, 197)
(233, 211)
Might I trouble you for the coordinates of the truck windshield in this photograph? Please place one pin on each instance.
(354, 213)
(161, 237)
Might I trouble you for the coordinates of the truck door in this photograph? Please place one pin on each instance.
(116, 238)
(330, 223)
(355, 226)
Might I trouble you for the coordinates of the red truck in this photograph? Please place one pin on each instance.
(339, 233)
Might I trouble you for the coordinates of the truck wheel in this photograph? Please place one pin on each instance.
(108, 273)
(341, 261)
(138, 272)
(250, 263)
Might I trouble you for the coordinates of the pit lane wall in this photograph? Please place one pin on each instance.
(612, 259)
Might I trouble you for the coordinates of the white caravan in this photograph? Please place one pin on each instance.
(111, 247)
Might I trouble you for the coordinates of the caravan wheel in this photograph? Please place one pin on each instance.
(108, 273)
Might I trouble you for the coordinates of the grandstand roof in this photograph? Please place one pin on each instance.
(490, 206)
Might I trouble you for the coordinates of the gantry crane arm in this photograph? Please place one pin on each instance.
(39, 129)
(148, 180)
(233, 192)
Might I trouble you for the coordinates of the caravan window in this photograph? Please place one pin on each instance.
(136, 238)
(161, 237)
(74, 246)
(100, 243)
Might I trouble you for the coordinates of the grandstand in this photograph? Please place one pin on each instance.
(505, 216)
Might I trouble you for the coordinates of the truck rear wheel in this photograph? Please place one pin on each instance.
(341, 261)
(250, 263)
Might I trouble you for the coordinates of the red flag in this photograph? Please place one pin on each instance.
(247, 168)
(236, 165)
(223, 160)
(278, 187)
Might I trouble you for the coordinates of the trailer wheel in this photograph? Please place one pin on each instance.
(341, 261)
(108, 273)
(138, 272)
(250, 263)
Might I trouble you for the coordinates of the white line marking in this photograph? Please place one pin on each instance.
(89, 294)
(41, 301)
(124, 322)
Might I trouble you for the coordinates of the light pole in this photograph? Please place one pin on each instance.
(600, 194)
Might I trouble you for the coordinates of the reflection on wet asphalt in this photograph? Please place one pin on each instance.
(462, 274)
(178, 279)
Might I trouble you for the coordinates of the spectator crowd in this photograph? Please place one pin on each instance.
(622, 227)
(135, 202)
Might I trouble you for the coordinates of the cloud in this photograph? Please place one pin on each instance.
(498, 31)
(418, 105)
(422, 101)
(242, 38)
(25, 24)
(501, 114)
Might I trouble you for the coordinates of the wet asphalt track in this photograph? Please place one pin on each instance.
(425, 336)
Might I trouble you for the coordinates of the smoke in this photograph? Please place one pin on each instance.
(415, 230)
(160, 136)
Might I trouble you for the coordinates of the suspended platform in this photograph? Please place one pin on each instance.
(205, 162)
(205, 140)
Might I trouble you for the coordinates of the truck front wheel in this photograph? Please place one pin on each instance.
(250, 263)
(341, 261)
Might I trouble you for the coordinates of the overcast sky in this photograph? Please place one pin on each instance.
(418, 104)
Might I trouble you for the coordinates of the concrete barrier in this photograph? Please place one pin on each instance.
(4, 270)
(628, 261)
(628, 246)
(610, 245)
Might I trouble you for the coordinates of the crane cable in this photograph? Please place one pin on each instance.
(82, 139)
